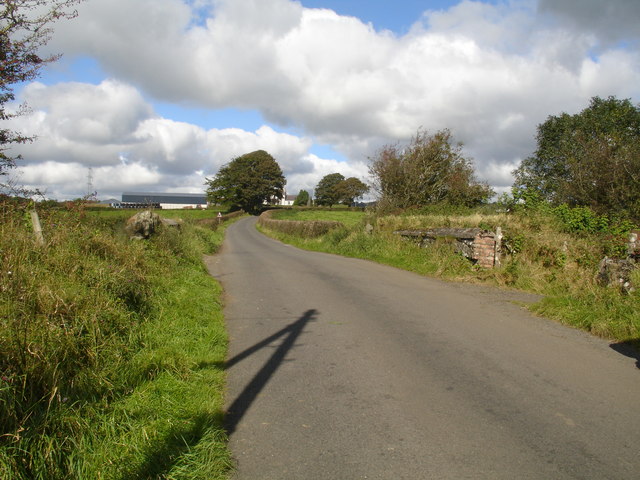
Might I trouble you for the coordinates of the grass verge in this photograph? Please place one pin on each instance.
(170, 425)
(112, 351)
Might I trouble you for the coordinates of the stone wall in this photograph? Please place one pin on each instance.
(617, 272)
(480, 246)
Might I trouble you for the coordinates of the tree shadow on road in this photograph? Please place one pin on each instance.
(630, 349)
(242, 403)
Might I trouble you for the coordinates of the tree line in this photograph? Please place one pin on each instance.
(588, 159)
(255, 180)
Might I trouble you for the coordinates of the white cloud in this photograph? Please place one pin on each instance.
(307, 180)
(488, 72)
(70, 180)
(129, 147)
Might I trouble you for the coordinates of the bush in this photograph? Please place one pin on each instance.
(431, 169)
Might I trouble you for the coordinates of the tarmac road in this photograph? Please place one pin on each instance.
(345, 369)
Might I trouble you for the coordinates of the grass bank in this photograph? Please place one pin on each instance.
(541, 256)
(112, 351)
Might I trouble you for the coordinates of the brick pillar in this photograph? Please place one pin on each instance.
(484, 249)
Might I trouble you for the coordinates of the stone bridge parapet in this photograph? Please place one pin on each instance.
(480, 246)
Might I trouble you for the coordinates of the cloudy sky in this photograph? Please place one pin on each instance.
(156, 95)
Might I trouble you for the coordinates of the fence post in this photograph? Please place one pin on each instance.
(497, 247)
(37, 228)
(633, 244)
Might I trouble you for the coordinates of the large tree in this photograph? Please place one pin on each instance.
(350, 189)
(247, 182)
(334, 188)
(25, 27)
(430, 169)
(590, 159)
(325, 192)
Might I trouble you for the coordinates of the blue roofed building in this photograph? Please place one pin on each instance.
(162, 200)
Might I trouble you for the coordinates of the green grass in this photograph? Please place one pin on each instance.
(185, 214)
(538, 262)
(169, 426)
(384, 248)
(113, 351)
(347, 217)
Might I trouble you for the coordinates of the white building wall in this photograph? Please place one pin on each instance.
(180, 206)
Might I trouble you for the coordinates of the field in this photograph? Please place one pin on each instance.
(347, 217)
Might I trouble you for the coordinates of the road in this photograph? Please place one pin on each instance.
(344, 369)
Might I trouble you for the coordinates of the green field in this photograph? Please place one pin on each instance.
(185, 214)
(347, 217)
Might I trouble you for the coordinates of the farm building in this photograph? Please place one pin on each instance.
(287, 200)
(163, 200)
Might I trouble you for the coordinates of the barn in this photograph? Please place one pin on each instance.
(163, 200)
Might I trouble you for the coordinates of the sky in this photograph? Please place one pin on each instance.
(157, 95)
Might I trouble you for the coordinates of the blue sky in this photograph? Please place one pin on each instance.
(160, 98)
(395, 16)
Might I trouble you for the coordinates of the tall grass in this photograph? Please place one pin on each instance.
(111, 351)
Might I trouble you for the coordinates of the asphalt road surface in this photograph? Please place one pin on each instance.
(344, 369)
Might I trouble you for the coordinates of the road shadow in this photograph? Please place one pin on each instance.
(629, 348)
(242, 403)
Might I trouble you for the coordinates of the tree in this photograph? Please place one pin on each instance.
(25, 27)
(247, 182)
(350, 189)
(326, 193)
(334, 188)
(429, 170)
(302, 199)
(589, 159)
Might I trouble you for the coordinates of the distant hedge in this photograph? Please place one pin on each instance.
(214, 222)
(305, 229)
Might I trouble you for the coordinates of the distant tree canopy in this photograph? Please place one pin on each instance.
(589, 159)
(302, 199)
(350, 189)
(335, 188)
(429, 170)
(325, 193)
(247, 182)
